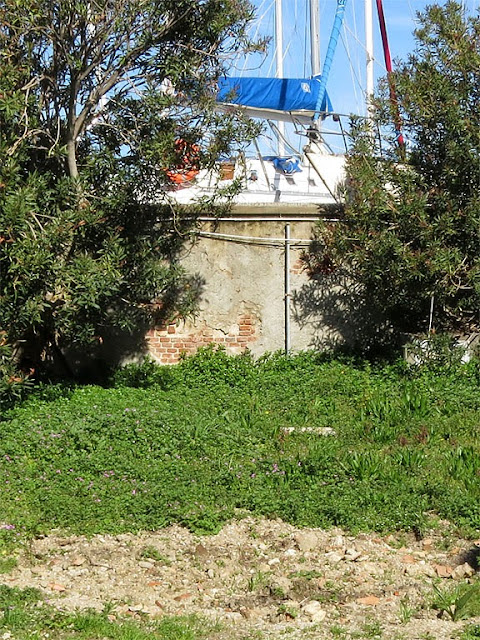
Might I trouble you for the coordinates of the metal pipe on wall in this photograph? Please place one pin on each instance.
(287, 289)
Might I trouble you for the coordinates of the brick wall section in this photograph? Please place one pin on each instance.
(168, 342)
(297, 266)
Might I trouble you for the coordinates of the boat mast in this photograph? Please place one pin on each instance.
(369, 55)
(315, 37)
(279, 68)
(327, 64)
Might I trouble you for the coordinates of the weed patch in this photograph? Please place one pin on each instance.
(198, 443)
(24, 615)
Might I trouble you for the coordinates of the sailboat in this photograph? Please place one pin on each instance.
(287, 180)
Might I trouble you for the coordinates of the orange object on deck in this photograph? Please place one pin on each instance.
(187, 166)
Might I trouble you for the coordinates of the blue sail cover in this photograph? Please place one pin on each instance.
(278, 94)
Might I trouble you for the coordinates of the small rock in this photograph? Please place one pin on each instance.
(201, 551)
(77, 561)
(373, 568)
(326, 431)
(135, 608)
(273, 562)
(417, 570)
(145, 564)
(56, 586)
(352, 555)
(314, 611)
(370, 601)
(338, 542)
(408, 559)
(429, 571)
(65, 542)
(183, 596)
(233, 616)
(76, 573)
(253, 613)
(334, 557)
(463, 571)
(306, 540)
(211, 573)
(290, 553)
(443, 571)
(55, 562)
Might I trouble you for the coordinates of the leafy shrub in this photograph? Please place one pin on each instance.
(435, 352)
(143, 375)
(212, 366)
(14, 383)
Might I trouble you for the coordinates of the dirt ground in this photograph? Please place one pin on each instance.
(260, 579)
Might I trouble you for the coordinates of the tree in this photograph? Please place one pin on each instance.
(94, 97)
(410, 230)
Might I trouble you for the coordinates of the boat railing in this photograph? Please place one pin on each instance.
(330, 130)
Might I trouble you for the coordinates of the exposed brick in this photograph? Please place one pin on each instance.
(167, 343)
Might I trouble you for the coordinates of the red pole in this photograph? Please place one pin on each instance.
(388, 65)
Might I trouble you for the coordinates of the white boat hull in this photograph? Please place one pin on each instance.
(318, 183)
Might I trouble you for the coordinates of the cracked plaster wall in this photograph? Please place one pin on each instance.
(242, 303)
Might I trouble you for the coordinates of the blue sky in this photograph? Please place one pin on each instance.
(346, 84)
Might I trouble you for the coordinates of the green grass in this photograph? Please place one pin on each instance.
(206, 440)
(24, 615)
(458, 602)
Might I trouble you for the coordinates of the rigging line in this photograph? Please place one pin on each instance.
(354, 68)
(295, 31)
(259, 18)
(378, 61)
(354, 73)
